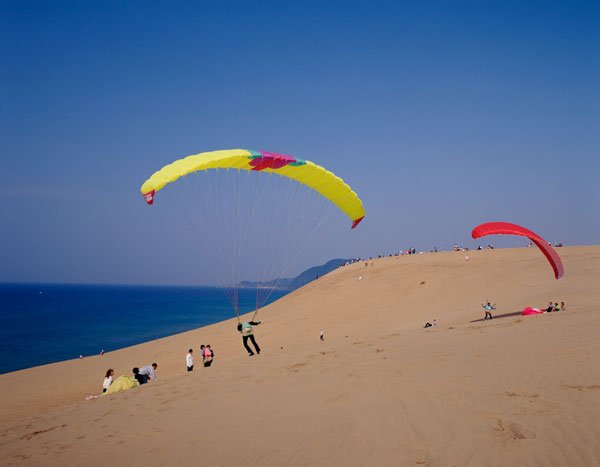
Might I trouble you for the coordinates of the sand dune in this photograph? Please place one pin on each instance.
(379, 391)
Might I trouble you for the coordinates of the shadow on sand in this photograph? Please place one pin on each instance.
(504, 315)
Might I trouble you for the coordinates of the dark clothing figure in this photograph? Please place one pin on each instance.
(251, 337)
(142, 379)
(247, 333)
(428, 325)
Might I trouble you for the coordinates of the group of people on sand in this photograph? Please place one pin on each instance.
(207, 354)
(551, 307)
(148, 373)
(141, 375)
(554, 306)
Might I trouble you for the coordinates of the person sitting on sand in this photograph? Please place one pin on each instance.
(189, 360)
(208, 356)
(142, 379)
(149, 371)
(550, 307)
(108, 379)
(563, 307)
(556, 307)
(247, 333)
(488, 307)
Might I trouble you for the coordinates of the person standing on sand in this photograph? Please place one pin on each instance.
(488, 307)
(208, 356)
(247, 333)
(149, 371)
(189, 360)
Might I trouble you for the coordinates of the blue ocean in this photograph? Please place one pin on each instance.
(42, 323)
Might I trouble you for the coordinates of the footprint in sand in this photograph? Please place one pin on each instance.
(297, 367)
(513, 430)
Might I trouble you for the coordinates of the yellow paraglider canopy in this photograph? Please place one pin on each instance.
(122, 383)
(308, 173)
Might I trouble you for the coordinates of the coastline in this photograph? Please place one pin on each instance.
(65, 320)
(514, 390)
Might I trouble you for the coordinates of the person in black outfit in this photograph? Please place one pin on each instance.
(142, 379)
(247, 333)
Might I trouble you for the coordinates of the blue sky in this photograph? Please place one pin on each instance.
(440, 115)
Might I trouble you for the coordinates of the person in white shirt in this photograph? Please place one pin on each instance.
(108, 379)
(189, 360)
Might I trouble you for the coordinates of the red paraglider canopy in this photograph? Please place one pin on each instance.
(531, 311)
(506, 228)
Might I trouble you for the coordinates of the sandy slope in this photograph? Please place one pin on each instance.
(380, 390)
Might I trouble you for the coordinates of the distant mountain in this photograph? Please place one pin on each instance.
(293, 283)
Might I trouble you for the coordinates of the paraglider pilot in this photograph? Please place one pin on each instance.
(245, 329)
(488, 307)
